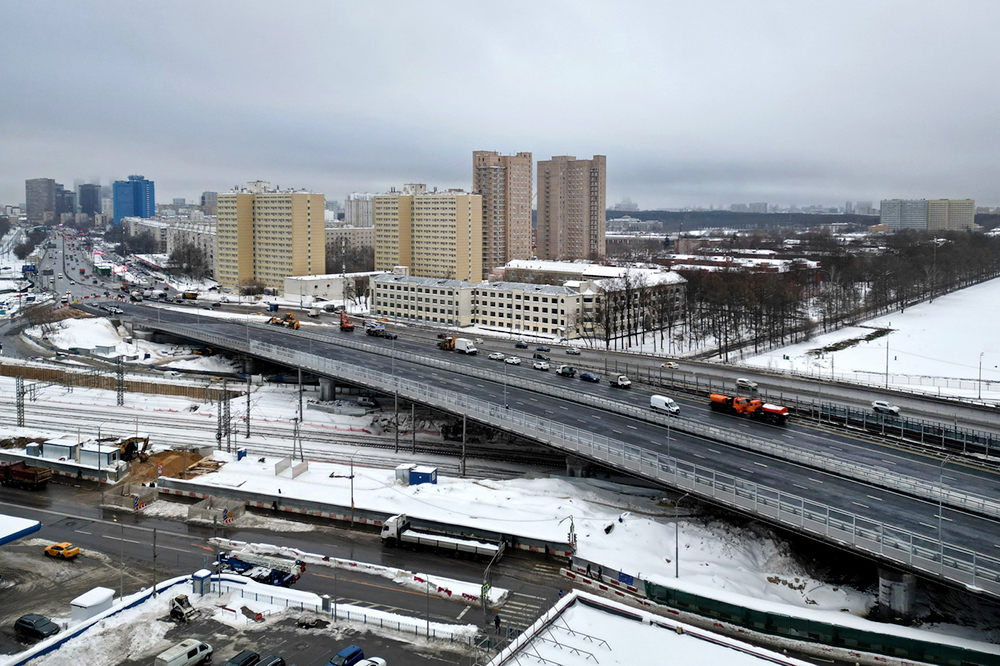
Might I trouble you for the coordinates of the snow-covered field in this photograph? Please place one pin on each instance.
(934, 347)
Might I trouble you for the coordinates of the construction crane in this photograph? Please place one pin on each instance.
(346, 325)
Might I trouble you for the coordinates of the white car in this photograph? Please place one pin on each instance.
(513, 360)
(372, 661)
(885, 407)
(573, 351)
(743, 382)
(540, 365)
(496, 356)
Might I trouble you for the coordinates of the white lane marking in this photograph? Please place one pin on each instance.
(798, 486)
(877, 499)
(760, 464)
(633, 427)
(861, 505)
(815, 480)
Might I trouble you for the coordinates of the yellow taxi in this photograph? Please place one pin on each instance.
(65, 550)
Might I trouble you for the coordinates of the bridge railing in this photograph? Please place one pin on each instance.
(889, 542)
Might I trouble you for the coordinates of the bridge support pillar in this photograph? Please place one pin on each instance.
(897, 593)
(325, 389)
(576, 466)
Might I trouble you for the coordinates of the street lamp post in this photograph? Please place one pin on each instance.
(677, 531)
(981, 375)
(505, 364)
(121, 567)
(887, 358)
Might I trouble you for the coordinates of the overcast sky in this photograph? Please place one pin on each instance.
(693, 103)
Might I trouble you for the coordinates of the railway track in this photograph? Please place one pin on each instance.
(270, 438)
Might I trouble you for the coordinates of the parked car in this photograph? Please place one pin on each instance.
(540, 365)
(669, 365)
(34, 625)
(65, 550)
(542, 348)
(349, 656)
(743, 382)
(589, 377)
(884, 407)
(271, 660)
(244, 658)
(368, 401)
(496, 356)
(521, 344)
(513, 360)
(189, 652)
(372, 661)
(575, 351)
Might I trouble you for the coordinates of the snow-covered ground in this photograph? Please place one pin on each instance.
(935, 347)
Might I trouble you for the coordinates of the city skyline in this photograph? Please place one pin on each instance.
(696, 106)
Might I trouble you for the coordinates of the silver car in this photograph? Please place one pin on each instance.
(883, 407)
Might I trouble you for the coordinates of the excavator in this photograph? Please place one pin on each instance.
(130, 448)
(288, 320)
(346, 325)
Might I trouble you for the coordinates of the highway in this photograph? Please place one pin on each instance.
(960, 531)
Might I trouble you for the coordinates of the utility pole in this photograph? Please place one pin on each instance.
(413, 426)
(154, 562)
(248, 405)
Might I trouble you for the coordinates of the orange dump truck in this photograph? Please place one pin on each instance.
(755, 408)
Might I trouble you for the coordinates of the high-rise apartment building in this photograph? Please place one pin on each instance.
(208, 201)
(950, 214)
(134, 197)
(358, 210)
(899, 214)
(436, 234)
(571, 208)
(90, 199)
(504, 182)
(266, 235)
(40, 199)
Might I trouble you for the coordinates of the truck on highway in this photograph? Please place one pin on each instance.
(375, 329)
(754, 408)
(620, 381)
(465, 345)
(397, 531)
(566, 371)
(266, 569)
(22, 475)
(346, 325)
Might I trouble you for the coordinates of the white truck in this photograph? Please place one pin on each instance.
(620, 381)
(314, 311)
(396, 531)
(465, 345)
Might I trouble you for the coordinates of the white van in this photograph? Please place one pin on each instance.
(186, 653)
(661, 403)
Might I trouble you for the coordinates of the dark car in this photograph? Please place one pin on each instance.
(35, 626)
(389, 335)
(349, 656)
(272, 660)
(444, 336)
(540, 356)
(245, 658)
(589, 377)
(521, 345)
(216, 304)
(543, 348)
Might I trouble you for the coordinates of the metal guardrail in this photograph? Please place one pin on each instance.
(916, 551)
(875, 476)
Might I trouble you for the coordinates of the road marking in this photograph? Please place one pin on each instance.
(82, 532)
(114, 538)
(696, 455)
(798, 486)
(888, 462)
(861, 505)
(744, 469)
(815, 480)
(633, 427)
(950, 478)
(597, 417)
(617, 431)
(786, 435)
(759, 464)
(563, 407)
(462, 614)
(715, 452)
(933, 527)
(877, 499)
(835, 448)
(943, 518)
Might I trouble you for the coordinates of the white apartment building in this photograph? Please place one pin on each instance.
(358, 211)
(200, 234)
(431, 300)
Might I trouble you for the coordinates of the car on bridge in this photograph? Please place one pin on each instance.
(512, 360)
(589, 377)
(669, 365)
(884, 407)
(520, 345)
(574, 351)
(542, 348)
(540, 365)
(743, 382)
(496, 356)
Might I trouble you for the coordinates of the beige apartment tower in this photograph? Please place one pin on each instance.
(949, 214)
(266, 235)
(571, 208)
(504, 182)
(436, 234)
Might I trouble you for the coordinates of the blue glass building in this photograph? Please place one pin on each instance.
(134, 198)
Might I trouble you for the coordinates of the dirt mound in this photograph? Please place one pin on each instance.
(19, 442)
(164, 463)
